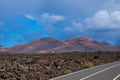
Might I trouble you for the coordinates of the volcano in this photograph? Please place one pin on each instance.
(53, 45)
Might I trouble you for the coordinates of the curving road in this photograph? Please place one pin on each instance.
(110, 71)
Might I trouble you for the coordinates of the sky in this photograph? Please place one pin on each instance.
(22, 21)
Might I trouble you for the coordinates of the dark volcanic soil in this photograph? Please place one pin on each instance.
(46, 66)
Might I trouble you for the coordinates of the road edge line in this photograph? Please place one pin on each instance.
(82, 70)
(116, 77)
(99, 72)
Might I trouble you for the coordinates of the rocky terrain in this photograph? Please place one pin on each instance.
(53, 45)
(46, 66)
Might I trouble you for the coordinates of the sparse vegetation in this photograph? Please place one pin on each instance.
(89, 64)
(68, 71)
(46, 66)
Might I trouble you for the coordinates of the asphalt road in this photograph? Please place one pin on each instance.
(110, 71)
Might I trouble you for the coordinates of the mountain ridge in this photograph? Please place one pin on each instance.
(54, 45)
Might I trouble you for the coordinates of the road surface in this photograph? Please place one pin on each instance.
(110, 71)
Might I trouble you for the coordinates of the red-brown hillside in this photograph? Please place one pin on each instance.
(53, 45)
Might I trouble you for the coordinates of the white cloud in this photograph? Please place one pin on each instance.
(104, 20)
(100, 19)
(30, 17)
(48, 19)
(75, 27)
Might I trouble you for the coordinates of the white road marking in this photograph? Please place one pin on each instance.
(76, 72)
(99, 72)
(80, 71)
(116, 77)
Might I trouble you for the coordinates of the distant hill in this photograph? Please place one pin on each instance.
(2, 49)
(53, 45)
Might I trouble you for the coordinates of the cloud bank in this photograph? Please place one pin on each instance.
(104, 20)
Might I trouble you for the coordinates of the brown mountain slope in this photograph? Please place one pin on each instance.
(2, 49)
(84, 44)
(53, 45)
(37, 46)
